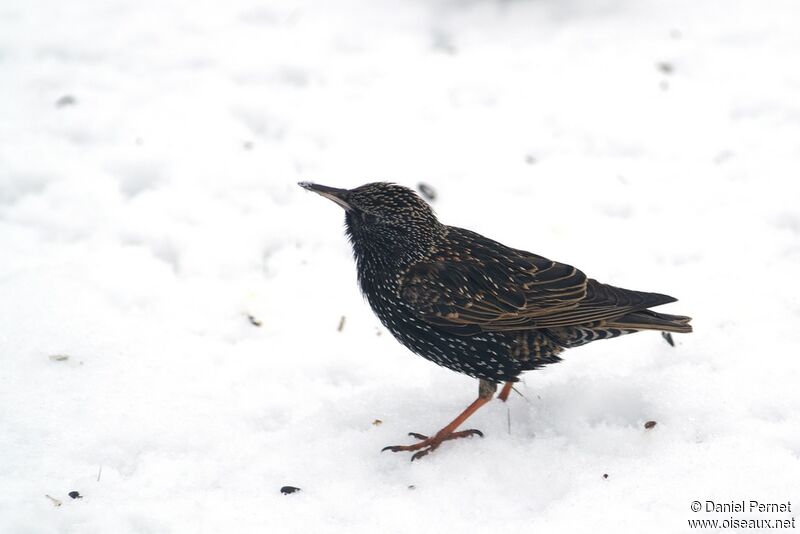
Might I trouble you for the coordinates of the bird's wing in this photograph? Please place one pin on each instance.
(486, 286)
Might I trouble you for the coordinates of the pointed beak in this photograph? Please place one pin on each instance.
(331, 193)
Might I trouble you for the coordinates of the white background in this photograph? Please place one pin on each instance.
(149, 154)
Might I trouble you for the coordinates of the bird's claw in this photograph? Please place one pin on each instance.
(430, 444)
(466, 433)
(419, 454)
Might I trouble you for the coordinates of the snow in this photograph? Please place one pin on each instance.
(149, 154)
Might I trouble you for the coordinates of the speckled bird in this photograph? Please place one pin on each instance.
(474, 305)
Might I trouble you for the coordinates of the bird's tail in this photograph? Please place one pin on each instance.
(650, 320)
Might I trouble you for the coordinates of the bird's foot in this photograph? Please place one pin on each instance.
(429, 444)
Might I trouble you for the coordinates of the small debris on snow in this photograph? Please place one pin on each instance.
(530, 159)
(75, 495)
(443, 42)
(428, 192)
(412, 487)
(55, 501)
(66, 100)
(605, 475)
(254, 321)
(288, 490)
(377, 422)
(650, 424)
(341, 324)
(667, 336)
(59, 357)
(666, 67)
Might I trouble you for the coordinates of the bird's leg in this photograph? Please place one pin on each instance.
(430, 444)
(506, 391)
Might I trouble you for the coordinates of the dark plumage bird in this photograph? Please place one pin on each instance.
(474, 305)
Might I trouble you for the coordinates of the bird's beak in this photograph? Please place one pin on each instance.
(331, 193)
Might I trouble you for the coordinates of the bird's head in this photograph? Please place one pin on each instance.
(384, 219)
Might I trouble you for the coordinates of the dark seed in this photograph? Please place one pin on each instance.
(75, 495)
(412, 487)
(427, 191)
(650, 424)
(605, 475)
(253, 320)
(668, 337)
(286, 490)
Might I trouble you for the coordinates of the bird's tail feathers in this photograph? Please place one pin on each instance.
(650, 320)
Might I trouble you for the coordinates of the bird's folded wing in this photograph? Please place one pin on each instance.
(515, 291)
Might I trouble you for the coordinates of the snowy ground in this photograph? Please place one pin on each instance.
(148, 206)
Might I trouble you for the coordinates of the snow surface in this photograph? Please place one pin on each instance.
(149, 154)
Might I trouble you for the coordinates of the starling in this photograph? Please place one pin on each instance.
(474, 305)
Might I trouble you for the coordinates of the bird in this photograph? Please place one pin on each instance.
(474, 305)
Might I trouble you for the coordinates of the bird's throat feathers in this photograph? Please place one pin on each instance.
(379, 249)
